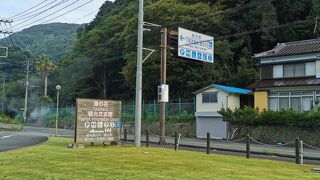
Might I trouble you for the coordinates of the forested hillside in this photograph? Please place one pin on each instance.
(55, 39)
(104, 58)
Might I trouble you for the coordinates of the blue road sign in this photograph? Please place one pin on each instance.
(188, 53)
(182, 52)
(196, 46)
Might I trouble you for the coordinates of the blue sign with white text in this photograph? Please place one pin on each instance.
(196, 46)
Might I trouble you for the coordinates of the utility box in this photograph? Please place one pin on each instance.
(163, 93)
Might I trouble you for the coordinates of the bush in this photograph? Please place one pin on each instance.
(148, 117)
(252, 117)
(65, 122)
(8, 120)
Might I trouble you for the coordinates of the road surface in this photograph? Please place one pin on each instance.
(10, 140)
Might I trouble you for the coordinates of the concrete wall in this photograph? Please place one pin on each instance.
(211, 107)
(224, 100)
(261, 100)
(233, 101)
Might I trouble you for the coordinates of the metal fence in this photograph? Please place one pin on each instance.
(152, 107)
(149, 108)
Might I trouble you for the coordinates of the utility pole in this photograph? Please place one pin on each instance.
(163, 80)
(137, 124)
(3, 94)
(26, 94)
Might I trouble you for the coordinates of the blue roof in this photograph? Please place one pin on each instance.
(231, 89)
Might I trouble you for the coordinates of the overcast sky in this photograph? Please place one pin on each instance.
(84, 14)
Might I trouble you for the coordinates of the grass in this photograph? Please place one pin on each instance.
(53, 160)
(8, 120)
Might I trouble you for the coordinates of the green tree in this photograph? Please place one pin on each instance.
(45, 66)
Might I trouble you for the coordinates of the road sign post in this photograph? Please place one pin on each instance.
(195, 46)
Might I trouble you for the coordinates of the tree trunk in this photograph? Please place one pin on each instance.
(45, 85)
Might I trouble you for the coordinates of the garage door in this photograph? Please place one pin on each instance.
(215, 125)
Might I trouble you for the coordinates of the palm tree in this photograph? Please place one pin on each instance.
(45, 66)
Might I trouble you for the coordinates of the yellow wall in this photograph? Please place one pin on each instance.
(261, 100)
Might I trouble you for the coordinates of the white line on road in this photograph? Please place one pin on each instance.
(3, 137)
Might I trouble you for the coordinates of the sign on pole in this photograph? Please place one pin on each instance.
(163, 93)
(196, 46)
(98, 121)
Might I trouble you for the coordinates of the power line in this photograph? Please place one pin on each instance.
(29, 9)
(46, 16)
(87, 15)
(25, 16)
(249, 5)
(252, 31)
(59, 15)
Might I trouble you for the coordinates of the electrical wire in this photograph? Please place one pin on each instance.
(37, 13)
(86, 15)
(28, 9)
(66, 12)
(46, 15)
(252, 31)
(249, 5)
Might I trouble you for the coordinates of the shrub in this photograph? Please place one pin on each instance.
(252, 117)
(8, 120)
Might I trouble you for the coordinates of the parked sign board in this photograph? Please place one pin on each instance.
(98, 121)
(196, 46)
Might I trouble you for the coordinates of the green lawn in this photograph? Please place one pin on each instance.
(53, 160)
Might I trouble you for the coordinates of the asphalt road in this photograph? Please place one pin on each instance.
(14, 140)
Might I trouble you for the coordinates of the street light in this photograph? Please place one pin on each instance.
(58, 88)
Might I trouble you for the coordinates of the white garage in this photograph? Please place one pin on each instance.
(209, 101)
(213, 123)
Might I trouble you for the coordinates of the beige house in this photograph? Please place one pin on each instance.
(210, 100)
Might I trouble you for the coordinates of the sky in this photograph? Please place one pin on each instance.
(10, 8)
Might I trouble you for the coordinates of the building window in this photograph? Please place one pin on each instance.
(210, 97)
(288, 70)
(294, 70)
(296, 100)
(310, 68)
(278, 71)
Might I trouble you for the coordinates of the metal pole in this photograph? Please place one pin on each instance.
(3, 94)
(301, 153)
(125, 135)
(208, 143)
(297, 150)
(57, 113)
(26, 94)
(164, 34)
(139, 77)
(248, 147)
(147, 138)
(175, 140)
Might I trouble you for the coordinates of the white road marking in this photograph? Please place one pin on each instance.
(3, 137)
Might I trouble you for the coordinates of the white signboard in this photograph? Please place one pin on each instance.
(196, 46)
(163, 93)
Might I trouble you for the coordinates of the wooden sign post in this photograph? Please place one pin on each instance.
(97, 122)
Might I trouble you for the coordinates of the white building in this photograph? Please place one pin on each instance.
(209, 101)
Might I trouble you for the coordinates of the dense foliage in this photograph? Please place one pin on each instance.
(103, 62)
(8, 120)
(55, 39)
(252, 117)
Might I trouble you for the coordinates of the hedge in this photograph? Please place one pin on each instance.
(253, 117)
